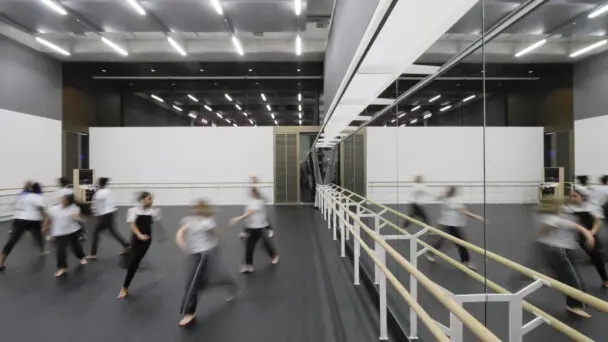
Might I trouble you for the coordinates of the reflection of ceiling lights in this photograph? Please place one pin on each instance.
(228, 97)
(177, 108)
(54, 47)
(598, 12)
(413, 122)
(218, 7)
(137, 7)
(588, 48)
(192, 115)
(245, 113)
(276, 123)
(195, 100)
(238, 107)
(251, 121)
(203, 120)
(55, 7)
(237, 45)
(531, 47)
(176, 46)
(297, 6)
(300, 115)
(298, 45)
(234, 125)
(468, 98)
(219, 115)
(300, 121)
(427, 115)
(268, 107)
(435, 98)
(300, 97)
(263, 97)
(415, 108)
(445, 108)
(272, 115)
(208, 108)
(300, 108)
(114, 46)
(157, 98)
(401, 115)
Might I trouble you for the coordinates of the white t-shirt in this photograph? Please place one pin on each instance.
(418, 192)
(557, 231)
(132, 213)
(599, 195)
(258, 218)
(199, 235)
(103, 202)
(29, 207)
(62, 193)
(62, 221)
(451, 214)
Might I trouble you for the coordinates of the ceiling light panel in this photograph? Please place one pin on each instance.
(599, 11)
(297, 7)
(176, 46)
(52, 46)
(114, 46)
(137, 7)
(237, 45)
(55, 6)
(208, 108)
(217, 6)
(194, 99)
(434, 98)
(157, 98)
(588, 48)
(530, 48)
(228, 97)
(298, 45)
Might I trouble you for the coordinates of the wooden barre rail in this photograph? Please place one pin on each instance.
(465, 317)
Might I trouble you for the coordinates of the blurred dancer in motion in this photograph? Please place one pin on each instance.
(64, 223)
(599, 196)
(198, 238)
(269, 231)
(588, 216)
(582, 185)
(140, 220)
(28, 216)
(417, 210)
(557, 239)
(453, 219)
(104, 208)
(65, 190)
(255, 223)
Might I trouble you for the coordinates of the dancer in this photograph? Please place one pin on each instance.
(140, 220)
(417, 210)
(198, 238)
(269, 230)
(583, 185)
(65, 190)
(64, 218)
(599, 196)
(28, 216)
(255, 223)
(104, 208)
(556, 241)
(588, 216)
(453, 219)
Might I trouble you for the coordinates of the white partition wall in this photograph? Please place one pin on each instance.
(590, 140)
(454, 156)
(180, 164)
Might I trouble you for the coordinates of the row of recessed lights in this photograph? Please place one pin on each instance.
(428, 115)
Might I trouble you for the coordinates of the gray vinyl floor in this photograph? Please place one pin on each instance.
(308, 297)
(510, 233)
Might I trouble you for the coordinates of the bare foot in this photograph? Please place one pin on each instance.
(275, 260)
(60, 272)
(270, 233)
(247, 269)
(124, 251)
(578, 311)
(83, 261)
(91, 257)
(429, 257)
(243, 235)
(123, 293)
(186, 320)
(470, 265)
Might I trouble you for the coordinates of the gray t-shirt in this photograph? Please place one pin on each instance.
(557, 231)
(199, 235)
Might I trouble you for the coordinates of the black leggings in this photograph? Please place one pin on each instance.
(135, 255)
(252, 241)
(560, 262)
(106, 222)
(457, 233)
(19, 227)
(417, 212)
(61, 243)
(596, 254)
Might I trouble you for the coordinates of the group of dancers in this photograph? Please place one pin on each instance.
(197, 236)
(564, 225)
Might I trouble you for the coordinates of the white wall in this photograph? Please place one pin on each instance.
(199, 158)
(30, 149)
(590, 141)
(454, 156)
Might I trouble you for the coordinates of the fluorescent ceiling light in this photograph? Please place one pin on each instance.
(300, 115)
(137, 7)
(403, 125)
(203, 120)
(393, 120)
(194, 99)
(228, 97)
(263, 96)
(219, 115)
(401, 115)
(157, 98)
(245, 113)
(237, 45)
(218, 7)
(176, 46)
(300, 121)
(238, 107)
(276, 123)
(268, 107)
(55, 7)
(427, 115)
(114, 46)
(468, 98)
(251, 121)
(300, 108)
(414, 121)
(531, 47)
(52, 46)
(272, 115)
(300, 97)
(434, 98)
(588, 48)
(227, 120)
(177, 108)
(598, 12)
(445, 108)
(298, 45)
(415, 108)
(208, 108)
(297, 6)
(234, 125)
(192, 115)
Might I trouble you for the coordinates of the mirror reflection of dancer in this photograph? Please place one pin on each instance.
(556, 241)
(417, 211)
(104, 208)
(269, 231)
(255, 223)
(599, 196)
(140, 220)
(198, 238)
(65, 227)
(29, 214)
(453, 219)
(587, 215)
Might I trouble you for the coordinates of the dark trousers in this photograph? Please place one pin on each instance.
(416, 212)
(596, 254)
(18, 228)
(252, 241)
(135, 256)
(61, 243)
(560, 262)
(457, 233)
(106, 222)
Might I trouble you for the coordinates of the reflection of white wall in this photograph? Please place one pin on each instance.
(188, 155)
(454, 155)
(590, 141)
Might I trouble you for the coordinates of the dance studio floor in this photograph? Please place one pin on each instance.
(308, 297)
